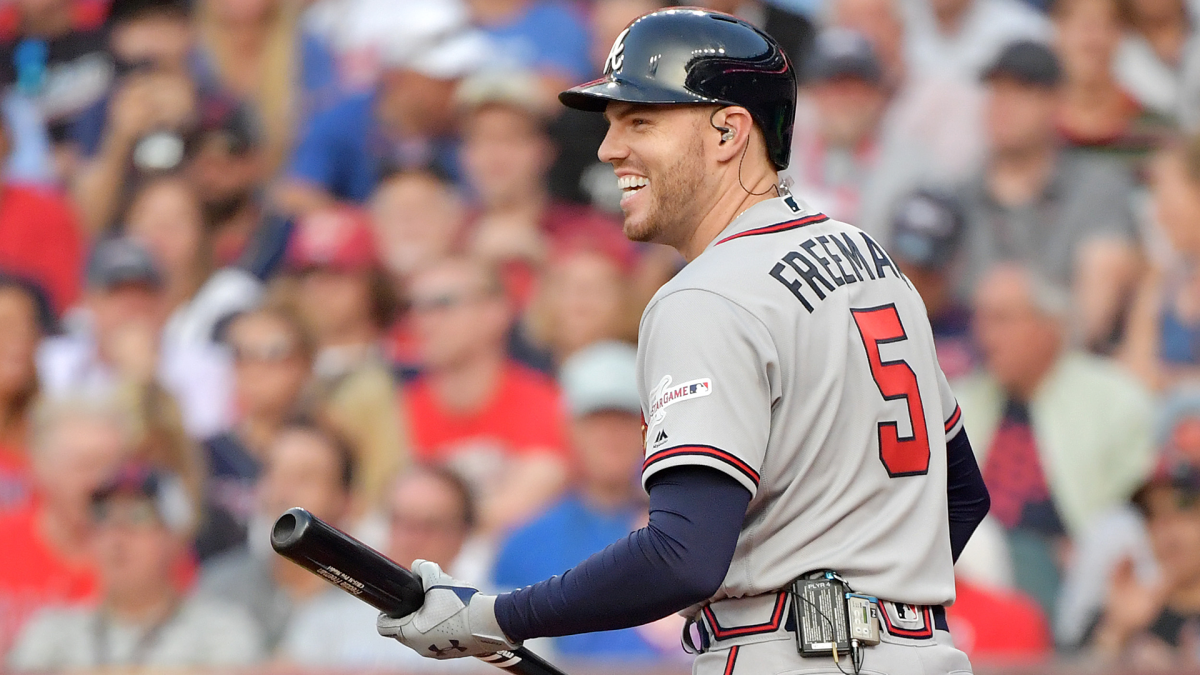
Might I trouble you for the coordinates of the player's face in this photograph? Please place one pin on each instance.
(658, 156)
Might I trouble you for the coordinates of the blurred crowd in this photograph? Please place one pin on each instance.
(352, 255)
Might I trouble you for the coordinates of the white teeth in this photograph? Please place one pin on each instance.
(633, 182)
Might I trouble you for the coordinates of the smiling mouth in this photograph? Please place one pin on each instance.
(630, 185)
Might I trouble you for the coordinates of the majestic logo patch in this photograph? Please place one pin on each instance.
(665, 395)
(616, 55)
(660, 438)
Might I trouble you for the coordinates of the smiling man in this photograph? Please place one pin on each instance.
(800, 440)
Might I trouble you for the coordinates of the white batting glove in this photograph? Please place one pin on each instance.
(455, 621)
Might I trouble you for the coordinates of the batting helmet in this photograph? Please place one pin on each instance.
(687, 55)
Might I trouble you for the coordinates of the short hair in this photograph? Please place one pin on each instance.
(50, 413)
(457, 484)
(344, 455)
(305, 342)
(489, 272)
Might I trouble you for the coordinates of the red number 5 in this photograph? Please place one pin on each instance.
(896, 380)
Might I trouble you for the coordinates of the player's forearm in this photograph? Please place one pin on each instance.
(678, 560)
(967, 496)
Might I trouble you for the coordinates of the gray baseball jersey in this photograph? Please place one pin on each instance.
(793, 356)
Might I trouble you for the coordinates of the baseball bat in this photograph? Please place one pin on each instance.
(372, 577)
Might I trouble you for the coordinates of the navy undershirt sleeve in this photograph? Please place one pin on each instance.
(679, 559)
(967, 496)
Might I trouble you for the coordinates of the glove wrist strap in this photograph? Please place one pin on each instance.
(481, 617)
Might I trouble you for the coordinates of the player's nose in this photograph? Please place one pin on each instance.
(613, 149)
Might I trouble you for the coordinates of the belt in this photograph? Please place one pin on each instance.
(760, 618)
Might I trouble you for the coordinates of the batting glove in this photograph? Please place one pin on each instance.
(455, 621)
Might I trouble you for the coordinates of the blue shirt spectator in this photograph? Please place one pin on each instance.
(345, 150)
(598, 384)
(559, 540)
(543, 36)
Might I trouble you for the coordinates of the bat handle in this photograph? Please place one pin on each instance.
(521, 661)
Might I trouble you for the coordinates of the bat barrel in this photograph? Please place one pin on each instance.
(346, 563)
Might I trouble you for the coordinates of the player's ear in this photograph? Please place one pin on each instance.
(733, 125)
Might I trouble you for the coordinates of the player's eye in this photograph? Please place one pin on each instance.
(639, 122)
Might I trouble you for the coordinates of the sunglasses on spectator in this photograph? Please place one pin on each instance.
(271, 352)
(442, 301)
(134, 514)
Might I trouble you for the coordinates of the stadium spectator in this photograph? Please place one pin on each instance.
(545, 36)
(306, 465)
(258, 52)
(272, 357)
(1162, 336)
(119, 336)
(1066, 216)
(141, 520)
(1151, 55)
(347, 301)
(961, 38)
(606, 502)
(39, 234)
(585, 297)
(841, 164)
(228, 169)
(55, 52)
(417, 217)
(927, 232)
(25, 317)
(1061, 436)
(407, 121)
(75, 445)
(141, 123)
(1095, 112)
(937, 115)
(496, 423)
(506, 155)
(1119, 537)
(430, 516)
(1152, 625)
(165, 216)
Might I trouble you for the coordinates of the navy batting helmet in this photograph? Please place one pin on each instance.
(687, 55)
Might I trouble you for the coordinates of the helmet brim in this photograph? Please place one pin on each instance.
(595, 96)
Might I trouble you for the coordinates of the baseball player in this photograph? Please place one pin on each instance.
(798, 430)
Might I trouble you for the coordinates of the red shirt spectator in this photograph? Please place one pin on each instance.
(15, 480)
(501, 427)
(522, 416)
(40, 240)
(36, 577)
(996, 625)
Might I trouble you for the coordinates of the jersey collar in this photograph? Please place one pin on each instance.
(773, 215)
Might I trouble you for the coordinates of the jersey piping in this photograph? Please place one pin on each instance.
(778, 227)
(704, 450)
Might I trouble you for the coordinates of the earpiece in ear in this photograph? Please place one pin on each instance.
(727, 134)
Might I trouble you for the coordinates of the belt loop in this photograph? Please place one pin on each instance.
(689, 645)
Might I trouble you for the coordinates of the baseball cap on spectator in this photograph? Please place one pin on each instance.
(126, 10)
(1183, 477)
(230, 120)
(516, 89)
(840, 52)
(163, 490)
(437, 41)
(339, 238)
(599, 378)
(926, 229)
(1028, 62)
(120, 261)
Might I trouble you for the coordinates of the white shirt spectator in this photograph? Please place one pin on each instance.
(201, 633)
(985, 28)
(199, 376)
(227, 292)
